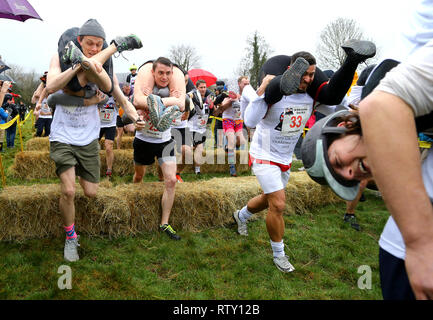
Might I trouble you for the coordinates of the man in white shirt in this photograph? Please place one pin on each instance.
(277, 130)
(74, 145)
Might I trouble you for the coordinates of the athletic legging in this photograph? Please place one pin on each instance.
(331, 93)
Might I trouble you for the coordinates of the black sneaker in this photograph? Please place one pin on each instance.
(72, 55)
(127, 43)
(291, 79)
(169, 231)
(360, 50)
(350, 218)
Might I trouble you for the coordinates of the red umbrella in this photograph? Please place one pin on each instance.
(197, 74)
(19, 10)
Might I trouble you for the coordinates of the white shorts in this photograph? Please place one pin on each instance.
(270, 177)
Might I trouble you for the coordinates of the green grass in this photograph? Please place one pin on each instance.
(213, 264)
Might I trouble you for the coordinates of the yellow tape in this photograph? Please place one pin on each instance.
(424, 144)
(27, 117)
(212, 117)
(8, 124)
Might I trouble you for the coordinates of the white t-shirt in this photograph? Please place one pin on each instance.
(45, 108)
(76, 125)
(108, 114)
(278, 132)
(418, 35)
(233, 112)
(198, 121)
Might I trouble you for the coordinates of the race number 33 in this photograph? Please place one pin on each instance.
(295, 118)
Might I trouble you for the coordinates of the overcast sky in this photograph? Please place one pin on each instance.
(217, 29)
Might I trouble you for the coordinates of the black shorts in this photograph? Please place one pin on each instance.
(199, 138)
(109, 133)
(393, 278)
(182, 136)
(145, 152)
(119, 122)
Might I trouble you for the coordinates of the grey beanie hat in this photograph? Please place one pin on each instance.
(314, 152)
(92, 28)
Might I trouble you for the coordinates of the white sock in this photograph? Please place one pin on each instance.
(244, 214)
(197, 170)
(278, 249)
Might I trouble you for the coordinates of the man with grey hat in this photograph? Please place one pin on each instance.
(80, 71)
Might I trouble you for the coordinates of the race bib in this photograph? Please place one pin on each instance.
(177, 121)
(237, 113)
(106, 115)
(149, 130)
(295, 118)
(202, 121)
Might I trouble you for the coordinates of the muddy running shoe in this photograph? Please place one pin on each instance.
(169, 231)
(179, 178)
(127, 43)
(156, 107)
(351, 219)
(242, 226)
(72, 55)
(283, 264)
(360, 50)
(166, 119)
(71, 250)
(291, 78)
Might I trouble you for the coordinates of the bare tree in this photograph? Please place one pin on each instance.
(25, 83)
(328, 52)
(257, 52)
(185, 56)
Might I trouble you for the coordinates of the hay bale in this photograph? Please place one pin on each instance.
(127, 209)
(28, 212)
(43, 144)
(38, 144)
(125, 144)
(30, 165)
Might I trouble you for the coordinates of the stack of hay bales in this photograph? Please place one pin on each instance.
(43, 144)
(37, 164)
(127, 209)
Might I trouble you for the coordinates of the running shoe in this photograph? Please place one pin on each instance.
(156, 107)
(242, 226)
(166, 119)
(71, 249)
(179, 178)
(360, 50)
(169, 231)
(127, 43)
(291, 79)
(108, 174)
(351, 219)
(283, 264)
(72, 55)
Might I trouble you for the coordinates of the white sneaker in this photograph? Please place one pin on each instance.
(283, 264)
(242, 226)
(70, 251)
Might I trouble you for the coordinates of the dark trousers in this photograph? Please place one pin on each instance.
(393, 278)
(43, 124)
(330, 94)
(10, 135)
